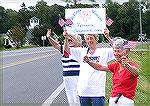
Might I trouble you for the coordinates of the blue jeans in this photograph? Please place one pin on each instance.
(92, 101)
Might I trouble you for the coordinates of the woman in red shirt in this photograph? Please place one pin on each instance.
(124, 75)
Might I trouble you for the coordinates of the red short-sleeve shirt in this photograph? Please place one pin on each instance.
(123, 82)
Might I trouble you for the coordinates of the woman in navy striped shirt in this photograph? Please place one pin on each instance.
(70, 67)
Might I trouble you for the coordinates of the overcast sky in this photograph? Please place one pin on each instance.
(15, 4)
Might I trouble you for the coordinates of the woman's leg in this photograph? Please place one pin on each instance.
(98, 101)
(85, 101)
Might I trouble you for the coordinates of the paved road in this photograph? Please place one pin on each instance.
(31, 76)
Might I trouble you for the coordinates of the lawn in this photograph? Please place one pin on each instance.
(142, 58)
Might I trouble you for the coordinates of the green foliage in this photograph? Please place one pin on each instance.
(40, 30)
(23, 15)
(61, 38)
(3, 20)
(18, 34)
(126, 19)
(75, 1)
(101, 38)
(1, 42)
(142, 92)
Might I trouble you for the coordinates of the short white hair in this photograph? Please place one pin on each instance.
(119, 42)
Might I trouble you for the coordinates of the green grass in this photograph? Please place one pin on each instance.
(142, 91)
(143, 88)
(145, 46)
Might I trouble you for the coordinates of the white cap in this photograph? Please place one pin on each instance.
(123, 43)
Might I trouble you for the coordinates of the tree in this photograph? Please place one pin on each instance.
(108, 2)
(18, 33)
(146, 24)
(112, 12)
(23, 15)
(38, 32)
(3, 20)
(42, 11)
(125, 18)
(12, 18)
(75, 1)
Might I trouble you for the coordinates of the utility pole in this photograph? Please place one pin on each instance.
(140, 23)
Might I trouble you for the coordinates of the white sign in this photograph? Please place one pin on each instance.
(86, 20)
(43, 37)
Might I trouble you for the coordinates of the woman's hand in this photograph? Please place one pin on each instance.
(49, 33)
(106, 32)
(124, 60)
(86, 59)
(65, 33)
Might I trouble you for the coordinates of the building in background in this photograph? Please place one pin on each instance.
(34, 21)
(8, 41)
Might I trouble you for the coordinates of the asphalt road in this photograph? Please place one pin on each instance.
(29, 77)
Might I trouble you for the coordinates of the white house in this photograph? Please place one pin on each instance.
(8, 41)
(34, 21)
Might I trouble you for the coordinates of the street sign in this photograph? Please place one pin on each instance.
(43, 37)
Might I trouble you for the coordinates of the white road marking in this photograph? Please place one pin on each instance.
(19, 54)
(25, 61)
(53, 95)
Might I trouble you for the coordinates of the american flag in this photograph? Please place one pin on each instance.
(61, 22)
(68, 22)
(108, 21)
(130, 44)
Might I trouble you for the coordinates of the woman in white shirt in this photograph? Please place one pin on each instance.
(91, 83)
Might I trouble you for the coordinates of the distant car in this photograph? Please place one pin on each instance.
(8, 46)
(144, 39)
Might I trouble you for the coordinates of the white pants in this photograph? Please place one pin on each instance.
(70, 83)
(123, 101)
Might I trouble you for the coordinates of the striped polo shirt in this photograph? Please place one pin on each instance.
(70, 66)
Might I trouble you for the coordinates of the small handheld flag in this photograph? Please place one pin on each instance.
(61, 22)
(108, 21)
(66, 22)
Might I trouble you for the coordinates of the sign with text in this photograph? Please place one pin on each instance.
(86, 20)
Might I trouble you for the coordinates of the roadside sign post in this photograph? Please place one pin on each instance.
(43, 38)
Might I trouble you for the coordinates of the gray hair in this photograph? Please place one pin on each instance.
(119, 42)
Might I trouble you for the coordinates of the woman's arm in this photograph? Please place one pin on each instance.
(54, 43)
(66, 42)
(76, 40)
(133, 70)
(96, 66)
(106, 34)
